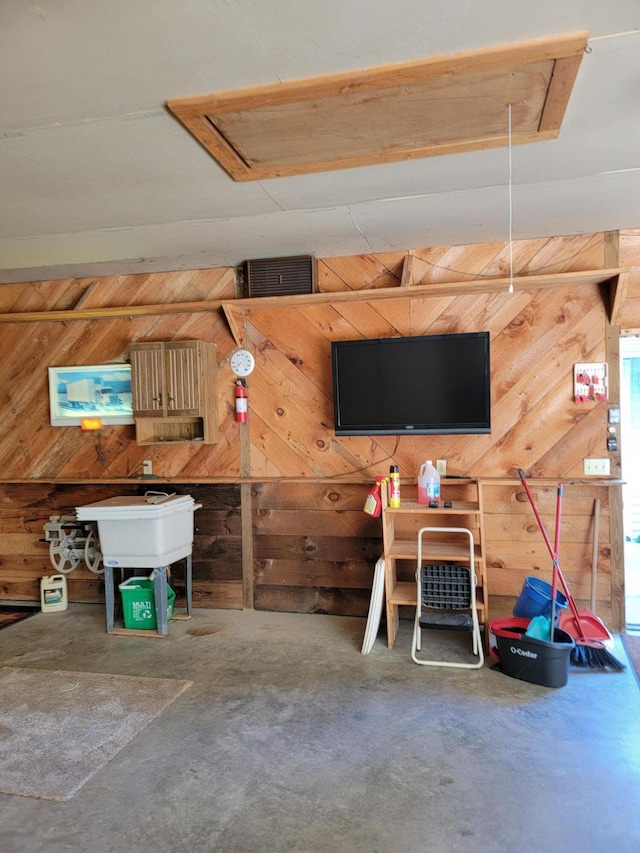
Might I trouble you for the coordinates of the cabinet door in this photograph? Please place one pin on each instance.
(148, 380)
(183, 378)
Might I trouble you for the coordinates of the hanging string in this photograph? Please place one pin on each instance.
(510, 211)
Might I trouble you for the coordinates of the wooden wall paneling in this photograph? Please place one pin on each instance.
(47, 451)
(536, 334)
(516, 548)
(544, 334)
(42, 295)
(347, 321)
(487, 260)
(24, 558)
(289, 404)
(118, 290)
(217, 545)
(24, 555)
(303, 342)
(629, 315)
(356, 272)
(314, 548)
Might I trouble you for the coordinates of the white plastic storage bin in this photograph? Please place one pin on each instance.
(142, 532)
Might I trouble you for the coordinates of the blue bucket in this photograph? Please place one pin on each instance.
(535, 599)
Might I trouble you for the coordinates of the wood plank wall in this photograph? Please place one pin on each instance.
(314, 549)
(26, 507)
(516, 548)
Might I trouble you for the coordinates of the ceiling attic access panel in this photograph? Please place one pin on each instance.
(442, 105)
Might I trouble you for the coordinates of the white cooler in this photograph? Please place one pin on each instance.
(141, 532)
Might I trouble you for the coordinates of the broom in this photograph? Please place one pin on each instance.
(588, 652)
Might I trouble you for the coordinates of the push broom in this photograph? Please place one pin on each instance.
(584, 626)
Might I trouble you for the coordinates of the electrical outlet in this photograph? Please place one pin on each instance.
(597, 467)
(147, 467)
(441, 467)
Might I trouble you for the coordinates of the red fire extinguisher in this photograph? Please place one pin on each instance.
(241, 401)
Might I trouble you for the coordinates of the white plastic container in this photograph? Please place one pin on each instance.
(142, 532)
(53, 593)
(428, 483)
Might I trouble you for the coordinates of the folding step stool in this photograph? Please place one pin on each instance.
(446, 599)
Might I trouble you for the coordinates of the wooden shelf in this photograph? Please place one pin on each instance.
(403, 593)
(169, 429)
(400, 527)
(407, 549)
(456, 508)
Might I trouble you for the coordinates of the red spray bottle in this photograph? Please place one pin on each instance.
(373, 503)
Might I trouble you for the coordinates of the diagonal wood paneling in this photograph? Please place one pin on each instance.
(314, 549)
(536, 338)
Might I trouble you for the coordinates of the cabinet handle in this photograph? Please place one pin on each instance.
(158, 399)
(169, 400)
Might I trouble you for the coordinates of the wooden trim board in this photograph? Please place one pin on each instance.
(438, 105)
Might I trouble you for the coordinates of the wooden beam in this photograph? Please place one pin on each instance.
(616, 525)
(110, 313)
(474, 286)
(407, 271)
(617, 296)
(236, 306)
(246, 517)
(235, 318)
(611, 248)
(86, 296)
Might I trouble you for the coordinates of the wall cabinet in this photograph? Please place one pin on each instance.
(174, 391)
(400, 543)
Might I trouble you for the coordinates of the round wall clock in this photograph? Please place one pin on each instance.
(242, 362)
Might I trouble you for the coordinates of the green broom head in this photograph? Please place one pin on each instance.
(594, 656)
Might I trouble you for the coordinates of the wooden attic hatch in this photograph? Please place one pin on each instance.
(442, 105)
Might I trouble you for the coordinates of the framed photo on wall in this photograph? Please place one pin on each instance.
(90, 391)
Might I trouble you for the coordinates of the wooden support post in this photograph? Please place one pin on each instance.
(246, 522)
(616, 522)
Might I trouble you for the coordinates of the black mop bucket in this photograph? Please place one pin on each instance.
(528, 658)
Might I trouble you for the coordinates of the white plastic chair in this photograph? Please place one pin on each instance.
(446, 599)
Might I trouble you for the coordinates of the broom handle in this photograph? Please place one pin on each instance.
(594, 554)
(556, 565)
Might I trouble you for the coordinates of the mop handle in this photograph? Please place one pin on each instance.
(556, 545)
(554, 557)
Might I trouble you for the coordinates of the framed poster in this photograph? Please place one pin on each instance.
(91, 391)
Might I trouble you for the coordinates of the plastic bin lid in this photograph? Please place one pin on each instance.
(151, 505)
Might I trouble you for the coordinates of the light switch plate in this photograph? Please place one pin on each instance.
(597, 467)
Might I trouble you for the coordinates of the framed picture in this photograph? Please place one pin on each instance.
(91, 391)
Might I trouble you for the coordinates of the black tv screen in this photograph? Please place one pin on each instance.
(432, 384)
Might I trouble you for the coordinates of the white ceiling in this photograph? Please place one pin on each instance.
(97, 177)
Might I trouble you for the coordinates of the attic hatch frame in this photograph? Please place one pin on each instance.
(388, 113)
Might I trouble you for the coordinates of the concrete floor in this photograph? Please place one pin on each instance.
(291, 740)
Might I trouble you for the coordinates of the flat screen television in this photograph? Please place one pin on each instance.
(432, 384)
